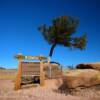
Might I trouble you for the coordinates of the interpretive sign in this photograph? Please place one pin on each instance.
(30, 68)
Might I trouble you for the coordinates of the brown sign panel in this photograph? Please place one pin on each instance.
(30, 68)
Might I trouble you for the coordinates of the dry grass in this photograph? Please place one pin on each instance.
(7, 74)
(49, 92)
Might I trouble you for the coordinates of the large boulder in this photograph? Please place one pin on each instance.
(95, 66)
(56, 70)
(79, 77)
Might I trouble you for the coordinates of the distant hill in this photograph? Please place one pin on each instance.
(2, 68)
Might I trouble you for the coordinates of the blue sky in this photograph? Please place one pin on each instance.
(19, 20)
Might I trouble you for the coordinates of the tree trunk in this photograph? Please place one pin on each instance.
(52, 49)
(49, 59)
(49, 66)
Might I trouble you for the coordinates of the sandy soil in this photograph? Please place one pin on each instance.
(48, 92)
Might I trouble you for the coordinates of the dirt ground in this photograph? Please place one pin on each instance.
(49, 92)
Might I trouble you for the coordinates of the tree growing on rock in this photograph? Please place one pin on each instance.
(61, 32)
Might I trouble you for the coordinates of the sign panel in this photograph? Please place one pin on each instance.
(30, 68)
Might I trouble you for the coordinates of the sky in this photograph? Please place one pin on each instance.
(20, 19)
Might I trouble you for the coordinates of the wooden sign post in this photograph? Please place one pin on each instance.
(42, 76)
(20, 57)
(18, 78)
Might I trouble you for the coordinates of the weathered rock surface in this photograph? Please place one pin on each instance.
(80, 77)
(56, 71)
(95, 66)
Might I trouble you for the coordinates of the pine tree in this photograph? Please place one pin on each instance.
(61, 33)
